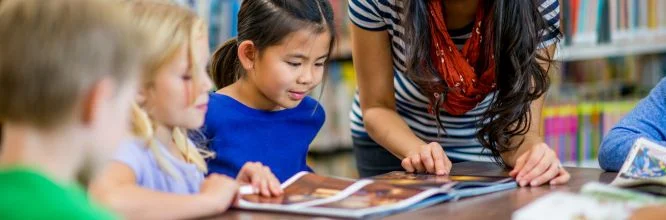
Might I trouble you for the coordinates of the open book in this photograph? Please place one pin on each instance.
(308, 193)
(644, 169)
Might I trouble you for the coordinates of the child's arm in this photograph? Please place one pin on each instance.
(116, 187)
(647, 120)
(261, 178)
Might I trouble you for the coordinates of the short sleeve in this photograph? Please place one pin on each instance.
(132, 154)
(366, 14)
(550, 10)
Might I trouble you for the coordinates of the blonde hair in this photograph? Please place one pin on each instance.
(53, 51)
(170, 27)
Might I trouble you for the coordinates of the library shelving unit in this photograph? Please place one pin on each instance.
(581, 53)
(611, 56)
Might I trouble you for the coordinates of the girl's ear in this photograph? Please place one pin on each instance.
(247, 54)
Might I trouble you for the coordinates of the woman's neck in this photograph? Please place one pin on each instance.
(49, 151)
(247, 93)
(164, 135)
(459, 13)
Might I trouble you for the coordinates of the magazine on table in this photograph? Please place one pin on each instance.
(595, 201)
(644, 169)
(308, 193)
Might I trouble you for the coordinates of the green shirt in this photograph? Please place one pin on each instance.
(27, 194)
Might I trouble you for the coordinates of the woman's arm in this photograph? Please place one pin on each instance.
(116, 188)
(374, 69)
(534, 162)
(533, 135)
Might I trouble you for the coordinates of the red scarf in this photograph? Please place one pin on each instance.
(458, 69)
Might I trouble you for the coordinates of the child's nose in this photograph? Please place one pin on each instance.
(306, 77)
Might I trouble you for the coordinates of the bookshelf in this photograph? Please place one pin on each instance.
(580, 53)
(613, 53)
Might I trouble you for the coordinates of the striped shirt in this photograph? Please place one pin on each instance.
(459, 136)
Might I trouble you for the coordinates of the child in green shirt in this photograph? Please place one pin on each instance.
(68, 74)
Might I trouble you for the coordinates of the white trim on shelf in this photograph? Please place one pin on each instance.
(575, 53)
(589, 163)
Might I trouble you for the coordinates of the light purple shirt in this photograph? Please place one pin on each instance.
(141, 159)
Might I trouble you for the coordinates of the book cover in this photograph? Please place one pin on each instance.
(644, 169)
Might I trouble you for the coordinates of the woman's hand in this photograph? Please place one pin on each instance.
(428, 158)
(261, 178)
(539, 165)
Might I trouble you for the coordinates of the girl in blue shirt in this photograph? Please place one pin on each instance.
(262, 111)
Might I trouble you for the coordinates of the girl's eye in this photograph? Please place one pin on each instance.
(319, 64)
(293, 64)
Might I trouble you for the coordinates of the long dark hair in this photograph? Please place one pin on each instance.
(266, 23)
(514, 37)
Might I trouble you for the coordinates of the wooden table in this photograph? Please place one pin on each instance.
(499, 205)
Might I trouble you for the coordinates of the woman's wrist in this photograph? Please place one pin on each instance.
(525, 143)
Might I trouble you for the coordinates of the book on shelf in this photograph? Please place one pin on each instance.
(575, 131)
(339, 89)
(307, 193)
(590, 22)
(222, 17)
(644, 169)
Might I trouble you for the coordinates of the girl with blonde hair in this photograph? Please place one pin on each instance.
(160, 174)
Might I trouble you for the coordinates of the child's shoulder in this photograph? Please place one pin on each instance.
(135, 153)
(216, 100)
(26, 190)
(134, 146)
(309, 102)
(222, 103)
(312, 107)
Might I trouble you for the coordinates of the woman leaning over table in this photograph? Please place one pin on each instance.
(442, 81)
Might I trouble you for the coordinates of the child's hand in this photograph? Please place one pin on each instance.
(261, 178)
(219, 190)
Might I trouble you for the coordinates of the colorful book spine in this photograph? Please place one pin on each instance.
(588, 22)
(575, 131)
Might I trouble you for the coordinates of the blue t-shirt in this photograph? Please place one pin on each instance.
(278, 139)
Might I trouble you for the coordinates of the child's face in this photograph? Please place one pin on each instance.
(287, 72)
(169, 99)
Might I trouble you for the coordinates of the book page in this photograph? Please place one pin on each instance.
(646, 163)
(375, 195)
(401, 178)
(307, 188)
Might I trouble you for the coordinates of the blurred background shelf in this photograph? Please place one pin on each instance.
(579, 53)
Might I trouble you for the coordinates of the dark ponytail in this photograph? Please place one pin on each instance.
(224, 67)
(266, 23)
(514, 37)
